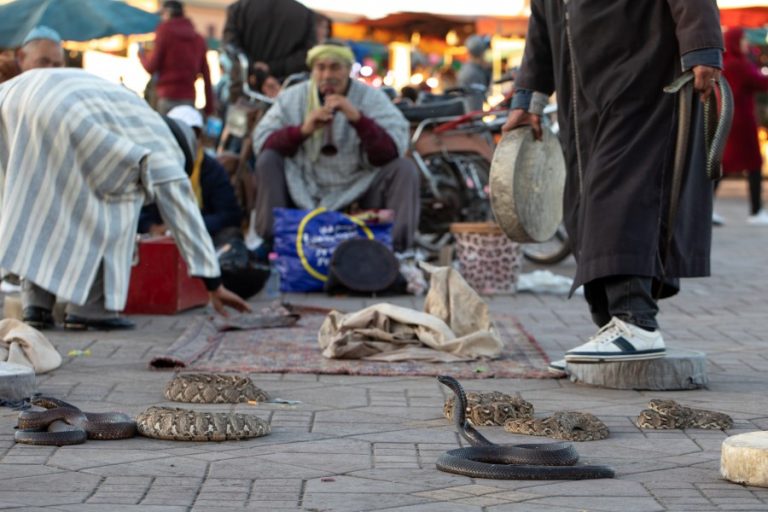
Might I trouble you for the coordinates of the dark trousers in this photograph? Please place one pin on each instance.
(395, 187)
(755, 181)
(33, 295)
(629, 298)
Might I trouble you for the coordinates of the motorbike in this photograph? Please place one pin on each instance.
(454, 164)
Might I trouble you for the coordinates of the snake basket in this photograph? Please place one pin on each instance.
(488, 260)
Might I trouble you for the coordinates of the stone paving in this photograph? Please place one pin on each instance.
(370, 443)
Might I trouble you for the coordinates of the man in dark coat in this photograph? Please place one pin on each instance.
(274, 34)
(608, 62)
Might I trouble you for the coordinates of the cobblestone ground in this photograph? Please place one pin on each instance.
(370, 443)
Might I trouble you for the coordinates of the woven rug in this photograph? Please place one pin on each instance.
(294, 349)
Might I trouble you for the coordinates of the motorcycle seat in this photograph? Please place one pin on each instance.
(419, 112)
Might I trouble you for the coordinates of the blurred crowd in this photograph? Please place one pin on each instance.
(289, 125)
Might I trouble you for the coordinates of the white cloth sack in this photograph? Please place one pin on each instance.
(454, 326)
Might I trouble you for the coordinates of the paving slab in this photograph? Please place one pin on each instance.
(369, 443)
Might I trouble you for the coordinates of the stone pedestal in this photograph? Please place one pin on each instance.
(16, 381)
(679, 369)
(744, 459)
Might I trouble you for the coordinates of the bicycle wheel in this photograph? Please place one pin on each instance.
(551, 252)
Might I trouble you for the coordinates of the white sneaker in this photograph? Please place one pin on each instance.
(717, 219)
(758, 219)
(557, 366)
(619, 341)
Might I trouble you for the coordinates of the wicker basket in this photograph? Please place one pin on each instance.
(488, 260)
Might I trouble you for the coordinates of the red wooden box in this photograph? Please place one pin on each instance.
(160, 284)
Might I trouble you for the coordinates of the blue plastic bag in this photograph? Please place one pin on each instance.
(305, 241)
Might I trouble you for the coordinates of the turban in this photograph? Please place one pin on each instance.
(42, 32)
(334, 51)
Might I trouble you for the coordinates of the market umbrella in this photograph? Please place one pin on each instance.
(74, 20)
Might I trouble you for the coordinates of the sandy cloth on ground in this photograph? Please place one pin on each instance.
(25, 345)
(454, 326)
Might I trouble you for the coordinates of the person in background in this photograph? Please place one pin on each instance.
(274, 34)
(210, 183)
(475, 74)
(178, 59)
(371, 136)
(618, 131)
(448, 78)
(742, 150)
(408, 94)
(324, 27)
(221, 89)
(79, 156)
(41, 48)
(266, 84)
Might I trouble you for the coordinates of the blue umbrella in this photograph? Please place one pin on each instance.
(74, 20)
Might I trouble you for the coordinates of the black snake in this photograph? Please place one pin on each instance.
(484, 459)
(63, 424)
(716, 124)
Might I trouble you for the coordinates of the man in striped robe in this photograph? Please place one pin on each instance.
(79, 156)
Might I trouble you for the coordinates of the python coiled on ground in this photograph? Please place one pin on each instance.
(484, 459)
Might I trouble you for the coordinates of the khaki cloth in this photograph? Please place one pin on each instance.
(25, 345)
(454, 326)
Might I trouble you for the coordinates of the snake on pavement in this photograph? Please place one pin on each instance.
(485, 459)
(61, 423)
(213, 388)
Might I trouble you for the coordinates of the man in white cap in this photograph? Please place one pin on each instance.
(371, 137)
(210, 183)
(41, 48)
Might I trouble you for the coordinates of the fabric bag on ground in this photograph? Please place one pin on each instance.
(454, 326)
(25, 345)
(305, 241)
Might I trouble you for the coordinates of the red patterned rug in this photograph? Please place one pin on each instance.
(295, 349)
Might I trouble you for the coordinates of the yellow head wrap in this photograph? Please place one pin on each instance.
(335, 51)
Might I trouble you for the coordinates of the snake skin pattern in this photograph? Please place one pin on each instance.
(185, 425)
(491, 409)
(564, 425)
(213, 388)
(484, 459)
(668, 414)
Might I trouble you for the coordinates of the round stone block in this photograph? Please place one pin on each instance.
(679, 369)
(744, 459)
(16, 381)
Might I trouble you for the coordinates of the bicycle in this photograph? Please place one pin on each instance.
(454, 163)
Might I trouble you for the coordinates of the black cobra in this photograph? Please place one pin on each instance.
(716, 128)
(484, 459)
(63, 424)
(717, 121)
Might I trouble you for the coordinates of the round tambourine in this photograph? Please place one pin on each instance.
(527, 183)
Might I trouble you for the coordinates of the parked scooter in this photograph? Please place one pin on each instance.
(454, 165)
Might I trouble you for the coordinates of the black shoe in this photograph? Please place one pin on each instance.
(79, 323)
(37, 317)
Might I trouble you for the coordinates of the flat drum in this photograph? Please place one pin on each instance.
(527, 183)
